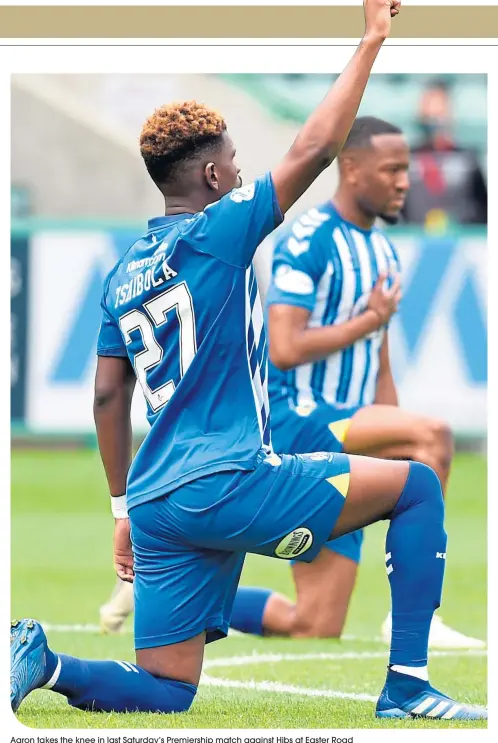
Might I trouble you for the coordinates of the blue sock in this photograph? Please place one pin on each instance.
(248, 609)
(415, 561)
(119, 686)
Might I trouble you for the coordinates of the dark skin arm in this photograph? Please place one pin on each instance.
(114, 386)
(386, 389)
(293, 343)
(323, 135)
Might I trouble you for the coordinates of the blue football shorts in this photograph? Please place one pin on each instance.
(299, 429)
(294, 428)
(189, 546)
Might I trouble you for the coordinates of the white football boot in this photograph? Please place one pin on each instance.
(119, 607)
(441, 636)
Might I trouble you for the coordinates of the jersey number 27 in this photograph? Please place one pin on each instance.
(155, 315)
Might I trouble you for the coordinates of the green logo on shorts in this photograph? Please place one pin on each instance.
(294, 544)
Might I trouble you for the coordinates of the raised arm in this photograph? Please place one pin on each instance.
(323, 135)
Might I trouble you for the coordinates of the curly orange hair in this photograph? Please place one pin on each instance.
(175, 132)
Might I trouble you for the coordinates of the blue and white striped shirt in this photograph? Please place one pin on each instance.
(329, 266)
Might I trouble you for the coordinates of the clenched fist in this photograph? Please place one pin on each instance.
(378, 14)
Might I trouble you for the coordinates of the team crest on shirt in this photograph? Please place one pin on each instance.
(245, 193)
(319, 456)
(294, 544)
(305, 410)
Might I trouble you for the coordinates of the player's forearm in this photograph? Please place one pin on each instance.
(314, 344)
(386, 393)
(114, 434)
(326, 130)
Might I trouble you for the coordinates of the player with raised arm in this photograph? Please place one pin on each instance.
(181, 313)
(326, 271)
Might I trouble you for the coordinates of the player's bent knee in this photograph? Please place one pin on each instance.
(178, 696)
(436, 443)
(422, 487)
(444, 437)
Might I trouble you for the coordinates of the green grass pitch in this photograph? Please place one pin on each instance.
(62, 572)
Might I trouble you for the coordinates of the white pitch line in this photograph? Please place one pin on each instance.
(77, 628)
(256, 658)
(278, 688)
(96, 629)
(274, 686)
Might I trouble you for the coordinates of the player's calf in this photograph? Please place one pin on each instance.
(100, 686)
(324, 588)
(314, 626)
(410, 496)
(415, 561)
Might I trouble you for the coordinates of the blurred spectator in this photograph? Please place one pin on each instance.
(447, 184)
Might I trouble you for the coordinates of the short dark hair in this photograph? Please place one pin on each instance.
(175, 133)
(366, 127)
(438, 83)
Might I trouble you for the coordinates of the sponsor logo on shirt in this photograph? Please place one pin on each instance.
(294, 544)
(246, 193)
(293, 282)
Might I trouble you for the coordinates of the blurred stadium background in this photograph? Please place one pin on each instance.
(81, 193)
(80, 196)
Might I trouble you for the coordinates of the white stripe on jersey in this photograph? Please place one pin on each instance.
(254, 319)
(365, 361)
(340, 314)
(379, 243)
(257, 315)
(362, 355)
(317, 320)
(392, 263)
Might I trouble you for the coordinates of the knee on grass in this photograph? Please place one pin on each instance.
(177, 696)
(313, 624)
(183, 701)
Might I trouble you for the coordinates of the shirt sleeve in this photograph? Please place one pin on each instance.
(110, 341)
(298, 266)
(232, 228)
